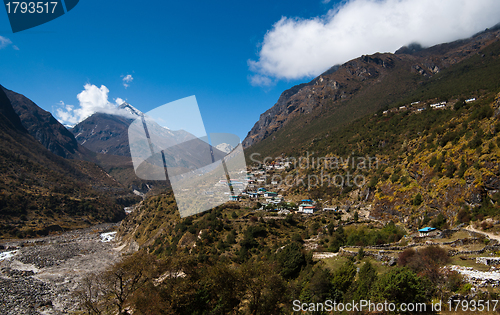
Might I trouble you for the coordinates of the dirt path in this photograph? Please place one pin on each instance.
(40, 275)
(490, 235)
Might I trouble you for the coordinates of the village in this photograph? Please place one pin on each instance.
(473, 252)
(269, 197)
(418, 106)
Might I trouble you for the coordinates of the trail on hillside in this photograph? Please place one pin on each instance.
(490, 235)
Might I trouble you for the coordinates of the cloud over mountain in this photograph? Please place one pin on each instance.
(92, 100)
(295, 48)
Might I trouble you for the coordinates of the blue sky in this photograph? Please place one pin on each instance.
(235, 56)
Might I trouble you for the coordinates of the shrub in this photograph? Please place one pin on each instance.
(439, 222)
(406, 256)
(417, 200)
(465, 288)
(400, 285)
(291, 260)
(343, 277)
(463, 216)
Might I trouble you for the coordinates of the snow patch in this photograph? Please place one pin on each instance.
(224, 147)
(128, 210)
(131, 109)
(138, 193)
(108, 237)
(7, 255)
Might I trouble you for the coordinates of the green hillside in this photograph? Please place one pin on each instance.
(472, 77)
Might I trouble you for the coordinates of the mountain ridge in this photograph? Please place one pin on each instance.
(104, 133)
(342, 86)
(42, 192)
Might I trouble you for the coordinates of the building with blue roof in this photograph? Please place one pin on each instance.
(427, 231)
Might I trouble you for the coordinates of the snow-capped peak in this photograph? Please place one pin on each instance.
(131, 109)
(224, 147)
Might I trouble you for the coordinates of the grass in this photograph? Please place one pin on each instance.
(378, 265)
(455, 260)
(334, 263)
(456, 236)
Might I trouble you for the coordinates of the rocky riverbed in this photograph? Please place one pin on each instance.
(39, 276)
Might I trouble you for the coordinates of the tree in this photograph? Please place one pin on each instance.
(126, 277)
(361, 253)
(291, 260)
(427, 264)
(330, 228)
(463, 216)
(226, 288)
(320, 285)
(231, 237)
(89, 294)
(112, 290)
(342, 279)
(400, 285)
(366, 279)
(439, 222)
(459, 104)
(406, 256)
(338, 239)
(264, 288)
(417, 200)
(318, 288)
(450, 169)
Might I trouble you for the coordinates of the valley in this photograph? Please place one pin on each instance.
(378, 180)
(41, 275)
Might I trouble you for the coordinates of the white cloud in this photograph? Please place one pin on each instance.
(92, 100)
(127, 80)
(295, 48)
(260, 80)
(4, 42)
(119, 101)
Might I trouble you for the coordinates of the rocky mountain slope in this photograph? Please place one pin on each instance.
(434, 167)
(356, 88)
(42, 192)
(434, 136)
(108, 134)
(104, 133)
(43, 126)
